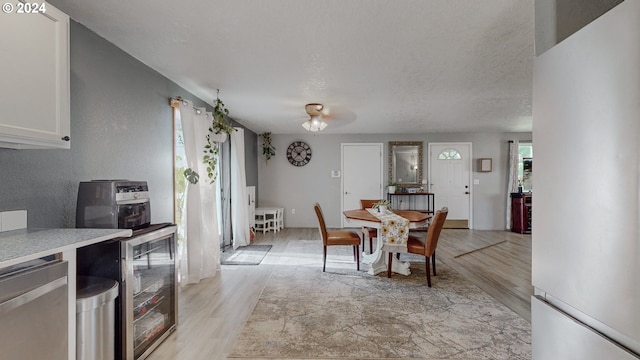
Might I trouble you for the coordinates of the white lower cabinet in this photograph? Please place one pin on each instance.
(34, 92)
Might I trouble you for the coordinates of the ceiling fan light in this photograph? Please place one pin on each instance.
(315, 123)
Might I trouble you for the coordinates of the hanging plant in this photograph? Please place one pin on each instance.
(219, 126)
(268, 150)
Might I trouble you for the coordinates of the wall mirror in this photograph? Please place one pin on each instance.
(405, 163)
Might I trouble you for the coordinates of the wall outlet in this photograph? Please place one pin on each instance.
(293, 211)
(476, 181)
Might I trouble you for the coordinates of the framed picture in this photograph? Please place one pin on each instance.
(485, 165)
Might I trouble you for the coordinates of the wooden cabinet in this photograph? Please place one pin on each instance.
(419, 201)
(34, 93)
(521, 213)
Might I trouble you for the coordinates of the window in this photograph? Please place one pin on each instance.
(182, 174)
(449, 154)
(525, 165)
(180, 186)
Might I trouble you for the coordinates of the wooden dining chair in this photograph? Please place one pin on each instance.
(368, 232)
(337, 237)
(415, 245)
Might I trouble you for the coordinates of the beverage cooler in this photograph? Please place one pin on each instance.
(149, 290)
(145, 267)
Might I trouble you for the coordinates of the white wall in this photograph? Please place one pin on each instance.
(282, 184)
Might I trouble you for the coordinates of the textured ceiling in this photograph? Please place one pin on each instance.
(381, 66)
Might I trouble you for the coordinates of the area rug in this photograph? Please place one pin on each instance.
(304, 313)
(245, 255)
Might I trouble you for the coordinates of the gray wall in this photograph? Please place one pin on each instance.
(121, 127)
(282, 184)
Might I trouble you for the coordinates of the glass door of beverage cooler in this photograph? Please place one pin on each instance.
(151, 307)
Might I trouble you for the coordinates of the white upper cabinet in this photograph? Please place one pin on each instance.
(34, 68)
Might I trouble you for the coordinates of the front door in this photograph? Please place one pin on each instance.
(361, 174)
(449, 180)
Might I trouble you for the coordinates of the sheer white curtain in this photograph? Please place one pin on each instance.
(199, 257)
(512, 182)
(239, 200)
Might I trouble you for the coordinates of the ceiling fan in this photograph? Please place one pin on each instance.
(315, 122)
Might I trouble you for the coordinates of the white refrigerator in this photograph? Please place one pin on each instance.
(586, 210)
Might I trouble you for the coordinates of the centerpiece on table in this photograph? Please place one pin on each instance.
(383, 206)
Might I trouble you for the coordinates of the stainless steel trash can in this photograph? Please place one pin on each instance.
(95, 318)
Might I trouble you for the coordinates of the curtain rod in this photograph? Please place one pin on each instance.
(174, 103)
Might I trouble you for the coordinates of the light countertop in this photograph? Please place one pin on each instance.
(27, 244)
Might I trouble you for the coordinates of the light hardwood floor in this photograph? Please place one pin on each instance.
(212, 313)
(499, 263)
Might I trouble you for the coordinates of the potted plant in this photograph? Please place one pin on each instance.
(218, 131)
(382, 206)
(391, 188)
(268, 150)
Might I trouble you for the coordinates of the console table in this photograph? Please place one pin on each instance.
(418, 201)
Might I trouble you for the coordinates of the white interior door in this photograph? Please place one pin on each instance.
(361, 174)
(449, 178)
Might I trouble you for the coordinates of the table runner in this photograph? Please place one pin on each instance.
(394, 230)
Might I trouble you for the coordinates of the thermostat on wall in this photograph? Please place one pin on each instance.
(335, 173)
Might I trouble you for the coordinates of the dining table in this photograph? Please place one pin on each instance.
(377, 259)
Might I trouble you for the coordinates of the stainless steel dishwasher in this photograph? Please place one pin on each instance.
(34, 311)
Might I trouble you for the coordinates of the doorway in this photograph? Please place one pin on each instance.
(361, 174)
(450, 181)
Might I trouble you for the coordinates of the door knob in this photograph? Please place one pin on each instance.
(466, 192)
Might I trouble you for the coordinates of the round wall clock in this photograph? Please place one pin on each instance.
(299, 153)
